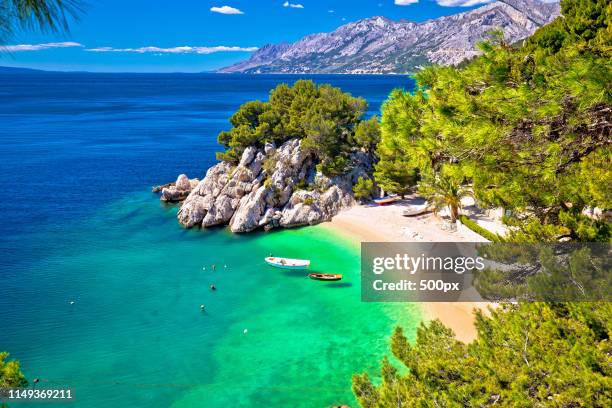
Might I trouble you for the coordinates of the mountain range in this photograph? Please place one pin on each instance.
(380, 45)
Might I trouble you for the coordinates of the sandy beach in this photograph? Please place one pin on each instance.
(372, 223)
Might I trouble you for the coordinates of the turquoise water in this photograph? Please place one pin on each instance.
(78, 154)
(136, 336)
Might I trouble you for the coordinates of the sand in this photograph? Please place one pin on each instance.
(373, 223)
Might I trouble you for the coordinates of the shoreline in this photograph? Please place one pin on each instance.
(369, 223)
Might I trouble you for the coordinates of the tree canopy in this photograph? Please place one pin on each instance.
(527, 125)
(44, 15)
(10, 373)
(525, 355)
(326, 119)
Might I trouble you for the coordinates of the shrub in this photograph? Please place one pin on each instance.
(479, 230)
(363, 189)
(303, 185)
(324, 117)
(269, 164)
(10, 373)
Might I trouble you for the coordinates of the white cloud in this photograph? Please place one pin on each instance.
(38, 47)
(405, 2)
(175, 50)
(226, 10)
(461, 3)
(331, 11)
(293, 5)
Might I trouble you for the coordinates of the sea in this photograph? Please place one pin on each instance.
(100, 287)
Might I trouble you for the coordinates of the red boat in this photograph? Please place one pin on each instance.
(386, 200)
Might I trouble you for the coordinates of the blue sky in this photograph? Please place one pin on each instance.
(197, 35)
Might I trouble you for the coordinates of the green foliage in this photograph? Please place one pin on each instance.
(483, 232)
(325, 118)
(588, 21)
(367, 134)
(10, 373)
(393, 176)
(528, 126)
(525, 355)
(444, 190)
(269, 164)
(302, 184)
(230, 156)
(395, 171)
(43, 15)
(569, 223)
(333, 166)
(548, 272)
(363, 189)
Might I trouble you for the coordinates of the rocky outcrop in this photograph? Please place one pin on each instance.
(177, 191)
(270, 187)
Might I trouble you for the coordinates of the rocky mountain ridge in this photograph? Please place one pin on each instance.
(381, 45)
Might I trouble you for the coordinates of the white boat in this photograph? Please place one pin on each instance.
(416, 210)
(287, 263)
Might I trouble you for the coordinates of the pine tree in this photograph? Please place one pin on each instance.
(525, 355)
(528, 126)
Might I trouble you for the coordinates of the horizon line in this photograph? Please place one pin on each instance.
(4, 69)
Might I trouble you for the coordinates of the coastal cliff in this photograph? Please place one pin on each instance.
(271, 187)
(290, 161)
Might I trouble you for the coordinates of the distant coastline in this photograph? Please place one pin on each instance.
(26, 70)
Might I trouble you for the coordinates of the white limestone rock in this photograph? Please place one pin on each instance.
(246, 198)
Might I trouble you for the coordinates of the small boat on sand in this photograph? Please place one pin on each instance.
(325, 276)
(287, 263)
(387, 200)
(416, 210)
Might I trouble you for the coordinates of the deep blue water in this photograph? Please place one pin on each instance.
(71, 142)
(79, 153)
